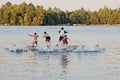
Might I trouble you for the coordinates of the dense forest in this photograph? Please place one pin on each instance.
(28, 14)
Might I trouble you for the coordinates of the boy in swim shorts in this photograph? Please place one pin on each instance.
(47, 39)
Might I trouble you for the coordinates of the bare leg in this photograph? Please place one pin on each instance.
(32, 44)
(48, 44)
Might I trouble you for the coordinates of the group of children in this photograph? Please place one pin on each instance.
(63, 39)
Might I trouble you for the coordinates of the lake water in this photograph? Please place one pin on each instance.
(61, 66)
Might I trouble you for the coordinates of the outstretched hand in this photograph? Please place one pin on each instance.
(30, 35)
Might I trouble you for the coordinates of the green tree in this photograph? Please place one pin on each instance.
(28, 14)
(39, 16)
(94, 19)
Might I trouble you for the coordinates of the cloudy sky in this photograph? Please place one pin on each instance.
(70, 4)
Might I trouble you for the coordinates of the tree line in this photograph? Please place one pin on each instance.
(30, 15)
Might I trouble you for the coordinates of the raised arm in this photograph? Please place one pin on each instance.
(66, 31)
(43, 36)
(30, 35)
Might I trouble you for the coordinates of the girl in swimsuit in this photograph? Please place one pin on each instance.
(62, 34)
(65, 40)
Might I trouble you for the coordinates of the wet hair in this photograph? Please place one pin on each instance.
(62, 28)
(65, 35)
(45, 32)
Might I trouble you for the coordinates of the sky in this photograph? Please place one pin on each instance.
(69, 5)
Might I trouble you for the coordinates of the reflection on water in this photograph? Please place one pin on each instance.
(64, 63)
(32, 65)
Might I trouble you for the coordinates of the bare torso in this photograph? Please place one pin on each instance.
(35, 36)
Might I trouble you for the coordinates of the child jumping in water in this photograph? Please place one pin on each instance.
(35, 36)
(62, 34)
(65, 40)
(47, 39)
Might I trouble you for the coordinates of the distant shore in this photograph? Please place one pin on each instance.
(96, 25)
(70, 25)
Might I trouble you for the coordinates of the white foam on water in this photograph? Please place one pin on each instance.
(54, 49)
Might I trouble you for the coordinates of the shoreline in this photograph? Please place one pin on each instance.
(96, 25)
(77, 25)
